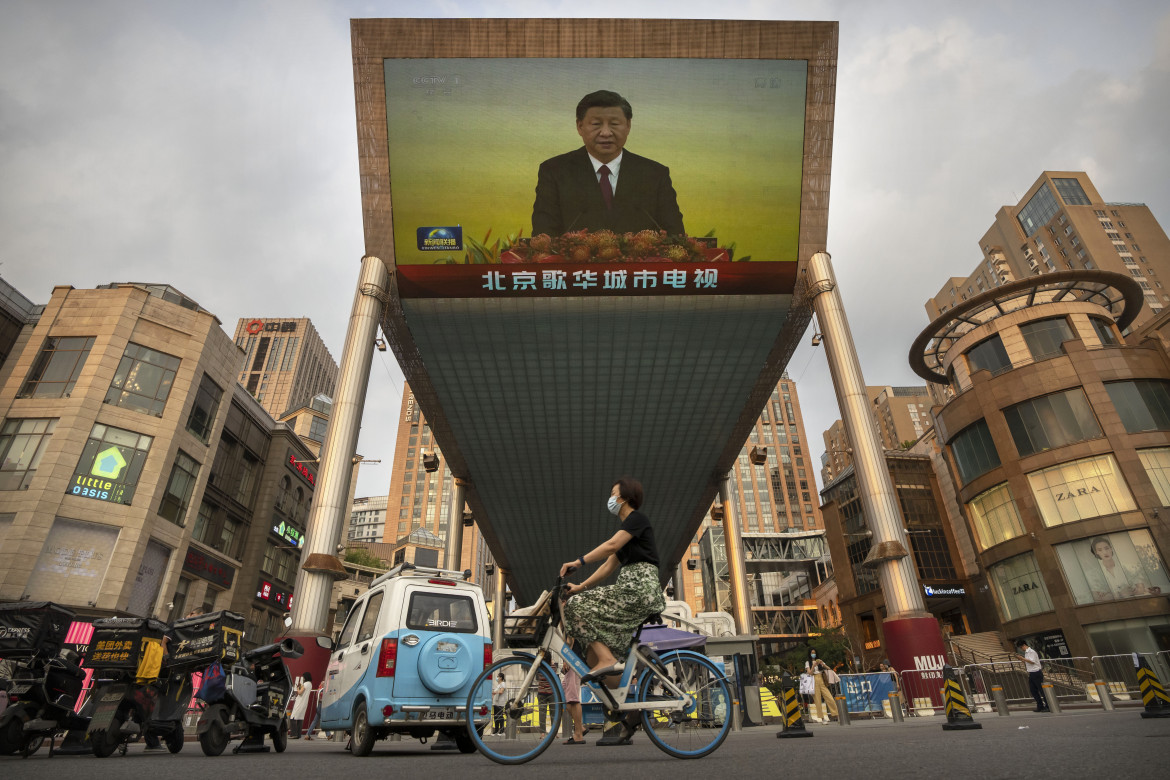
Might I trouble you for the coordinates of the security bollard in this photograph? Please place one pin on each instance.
(1050, 697)
(895, 706)
(842, 711)
(736, 716)
(793, 718)
(1001, 705)
(1103, 695)
(1153, 694)
(958, 714)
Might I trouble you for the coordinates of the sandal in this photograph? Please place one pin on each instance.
(605, 671)
(573, 742)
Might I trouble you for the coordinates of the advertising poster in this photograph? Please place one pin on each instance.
(1109, 567)
(73, 562)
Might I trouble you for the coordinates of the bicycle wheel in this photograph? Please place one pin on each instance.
(531, 720)
(699, 728)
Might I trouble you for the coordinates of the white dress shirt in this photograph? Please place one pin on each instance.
(614, 166)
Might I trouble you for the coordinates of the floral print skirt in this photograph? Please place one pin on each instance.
(612, 613)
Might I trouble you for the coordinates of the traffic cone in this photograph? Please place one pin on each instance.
(1153, 694)
(793, 719)
(958, 715)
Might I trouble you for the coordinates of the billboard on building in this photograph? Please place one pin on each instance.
(476, 180)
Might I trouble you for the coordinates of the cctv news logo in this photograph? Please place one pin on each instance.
(440, 239)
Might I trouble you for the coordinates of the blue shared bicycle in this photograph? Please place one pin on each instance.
(680, 698)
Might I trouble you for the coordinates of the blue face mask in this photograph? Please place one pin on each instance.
(613, 505)
(814, 655)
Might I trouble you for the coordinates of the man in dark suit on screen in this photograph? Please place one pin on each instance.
(602, 186)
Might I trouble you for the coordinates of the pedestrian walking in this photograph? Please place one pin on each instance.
(572, 683)
(1035, 672)
(544, 697)
(318, 695)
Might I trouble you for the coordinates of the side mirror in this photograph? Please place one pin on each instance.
(325, 642)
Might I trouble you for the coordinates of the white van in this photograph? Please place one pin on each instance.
(406, 657)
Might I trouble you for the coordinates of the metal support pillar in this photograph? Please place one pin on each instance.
(741, 607)
(499, 608)
(320, 565)
(912, 635)
(453, 558)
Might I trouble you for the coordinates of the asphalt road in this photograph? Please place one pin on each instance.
(1119, 745)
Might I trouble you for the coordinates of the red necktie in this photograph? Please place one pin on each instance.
(606, 187)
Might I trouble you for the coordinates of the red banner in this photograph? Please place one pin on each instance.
(570, 280)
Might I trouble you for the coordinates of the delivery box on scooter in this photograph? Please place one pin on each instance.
(122, 643)
(33, 628)
(200, 641)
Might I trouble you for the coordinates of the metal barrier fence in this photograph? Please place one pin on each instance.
(1120, 674)
(921, 691)
(1073, 680)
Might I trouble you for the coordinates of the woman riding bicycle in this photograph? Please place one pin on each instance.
(603, 620)
(680, 698)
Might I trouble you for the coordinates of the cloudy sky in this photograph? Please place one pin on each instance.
(211, 146)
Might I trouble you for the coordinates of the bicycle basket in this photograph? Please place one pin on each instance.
(522, 630)
(522, 627)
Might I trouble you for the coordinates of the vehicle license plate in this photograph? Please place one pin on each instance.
(440, 713)
(447, 647)
(103, 717)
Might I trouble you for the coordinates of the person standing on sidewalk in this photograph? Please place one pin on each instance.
(822, 695)
(499, 699)
(300, 704)
(1035, 674)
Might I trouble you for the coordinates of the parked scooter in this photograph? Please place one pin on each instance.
(46, 679)
(256, 692)
(135, 692)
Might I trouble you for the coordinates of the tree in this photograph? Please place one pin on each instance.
(363, 557)
(833, 646)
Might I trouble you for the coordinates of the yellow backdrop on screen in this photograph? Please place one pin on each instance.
(466, 137)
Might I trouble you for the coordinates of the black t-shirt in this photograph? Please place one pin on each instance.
(640, 549)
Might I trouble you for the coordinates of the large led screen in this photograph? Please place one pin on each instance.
(467, 137)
